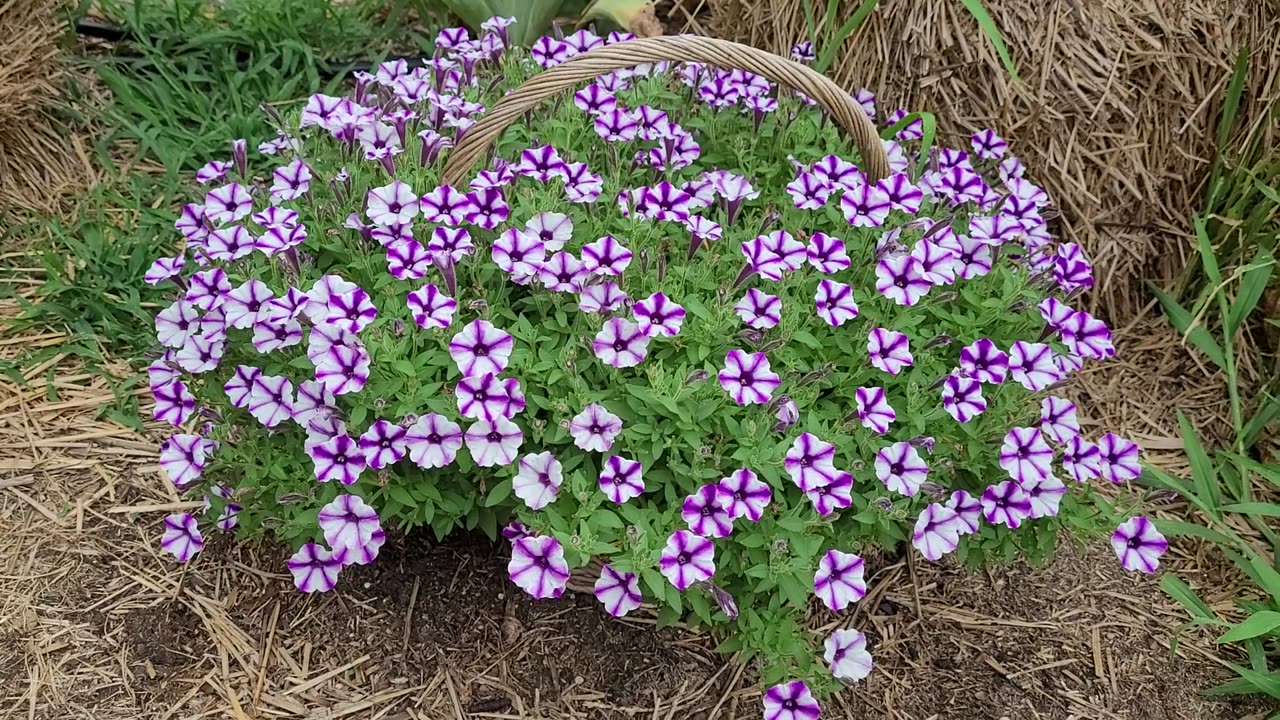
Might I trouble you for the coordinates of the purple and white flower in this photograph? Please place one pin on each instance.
(431, 308)
(338, 458)
(1025, 455)
(182, 538)
(174, 403)
(901, 279)
(839, 580)
(759, 310)
(968, 510)
(1006, 503)
(182, 457)
(315, 568)
(351, 528)
(984, 362)
(595, 428)
(487, 397)
(1058, 419)
(383, 444)
(865, 205)
(1139, 545)
(538, 566)
(271, 400)
(827, 254)
(835, 494)
(621, 343)
(494, 443)
(658, 315)
(962, 397)
(481, 348)
(901, 468)
(687, 559)
(747, 377)
(619, 592)
(846, 653)
(606, 257)
(1045, 494)
(604, 297)
(889, 350)
(394, 203)
(538, 480)
(810, 461)
(937, 532)
(874, 411)
(1082, 459)
(342, 369)
(621, 479)
(1118, 458)
(1032, 365)
(705, 513)
(834, 302)
(227, 204)
(790, 701)
(742, 494)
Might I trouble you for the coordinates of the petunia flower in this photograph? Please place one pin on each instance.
(494, 443)
(901, 279)
(163, 269)
(1118, 458)
(383, 444)
(182, 458)
(342, 369)
(827, 253)
(487, 397)
(1072, 269)
(836, 494)
(191, 222)
(1006, 503)
(518, 253)
(1032, 365)
(394, 203)
(968, 510)
(874, 411)
(229, 244)
(174, 403)
(759, 310)
(1087, 336)
(657, 315)
(810, 461)
(176, 323)
(563, 273)
(1025, 455)
(338, 458)
(269, 337)
(200, 353)
(790, 252)
(451, 243)
(742, 494)
(279, 238)
(839, 580)
(962, 397)
(270, 399)
(790, 701)
(481, 348)
(1045, 494)
(1058, 419)
(761, 260)
(803, 52)
(984, 362)
(621, 343)
(315, 568)
(1139, 545)
(788, 414)
(213, 170)
(705, 513)
(433, 441)
(595, 428)
(227, 204)
(834, 302)
(901, 193)
(988, 145)
(351, 528)
(621, 479)
(937, 532)
(595, 100)
(208, 289)
(604, 297)
(540, 163)
(552, 229)
(619, 592)
(808, 191)
(901, 468)
(733, 191)
(1081, 459)
(687, 559)
(837, 173)
(229, 517)
(846, 653)
(606, 257)
(747, 377)
(938, 263)
(182, 538)
(290, 181)
(538, 480)
(889, 350)
(865, 205)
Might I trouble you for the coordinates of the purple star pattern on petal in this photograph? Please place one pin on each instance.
(1045, 494)
(338, 458)
(394, 203)
(271, 400)
(1006, 503)
(433, 441)
(759, 310)
(618, 592)
(834, 302)
(181, 538)
(621, 343)
(1082, 459)
(351, 528)
(839, 580)
(383, 444)
(1032, 366)
(174, 404)
(538, 566)
(865, 205)
(968, 510)
(874, 411)
(431, 308)
(657, 315)
(790, 701)
(937, 532)
(810, 461)
(1058, 419)
(687, 559)
(836, 494)
(604, 297)
(985, 362)
(487, 397)
(901, 279)
(846, 653)
(889, 350)
(742, 494)
(1025, 455)
(494, 443)
(705, 513)
(747, 377)
(595, 428)
(962, 397)
(481, 348)
(407, 259)
(606, 257)
(827, 253)
(1118, 458)
(901, 468)
(538, 480)
(621, 479)
(1139, 545)
(342, 369)
(315, 568)
(182, 457)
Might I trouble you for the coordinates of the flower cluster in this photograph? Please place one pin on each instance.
(673, 327)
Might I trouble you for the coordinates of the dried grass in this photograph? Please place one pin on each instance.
(1116, 113)
(41, 161)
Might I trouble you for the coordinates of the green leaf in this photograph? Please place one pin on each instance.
(1204, 475)
(1253, 282)
(992, 31)
(1186, 597)
(402, 495)
(1261, 623)
(1253, 508)
(1186, 529)
(500, 492)
(1231, 103)
(1185, 323)
(1268, 683)
(831, 46)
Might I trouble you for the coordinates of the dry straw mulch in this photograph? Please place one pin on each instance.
(1116, 113)
(41, 161)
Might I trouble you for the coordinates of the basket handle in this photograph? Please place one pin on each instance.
(688, 48)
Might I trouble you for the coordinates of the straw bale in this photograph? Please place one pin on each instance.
(39, 159)
(1116, 113)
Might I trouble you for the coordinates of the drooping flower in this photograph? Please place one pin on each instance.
(431, 308)
(937, 532)
(834, 302)
(182, 538)
(621, 343)
(742, 494)
(747, 377)
(839, 580)
(163, 269)
(962, 397)
(228, 518)
(874, 410)
(759, 310)
(394, 203)
(836, 494)
(790, 701)
(351, 528)
(901, 279)
(604, 297)
(595, 428)
(182, 457)
(658, 315)
(968, 510)
(1045, 494)
(1118, 458)
(621, 479)
(433, 441)
(1139, 545)
(271, 400)
(1025, 455)
(315, 568)
(338, 458)
(383, 444)
(481, 348)
(1081, 459)
(1032, 365)
(810, 461)
(687, 559)
(846, 653)
(494, 443)
(705, 513)
(1006, 503)
(901, 468)
(619, 592)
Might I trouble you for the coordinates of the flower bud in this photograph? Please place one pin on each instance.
(397, 327)
(1019, 306)
(478, 305)
(515, 530)
(704, 451)
(408, 420)
(271, 112)
(290, 498)
(857, 466)
(779, 546)
(946, 297)
(787, 413)
(633, 533)
(751, 335)
(379, 404)
(923, 441)
(772, 345)
(725, 601)
(933, 490)
(695, 377)
(271, 522)
(939, 341)
(240, 156)
(882, 504)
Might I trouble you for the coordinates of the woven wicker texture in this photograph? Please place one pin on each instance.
(721, 53)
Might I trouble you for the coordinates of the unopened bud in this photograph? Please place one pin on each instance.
(933, 490)
(946, 297)
(397, 327)
(379, 404)
(923, 441)
(695, 377)
(478, 305)
(290, 498)
(408, 420)
(939, 341)
(633, 533)
(751, 335)
(882, 504)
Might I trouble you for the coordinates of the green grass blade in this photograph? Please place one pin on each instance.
(1185, 529)
(1207, 257)
(1186, 597)
(1253, 508)
(1231, 104)
(831, 46)
(1268, 410)
(1204, 475)
(1253, 282)
(1182, 321)
(992, 31)
(1261, 623)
